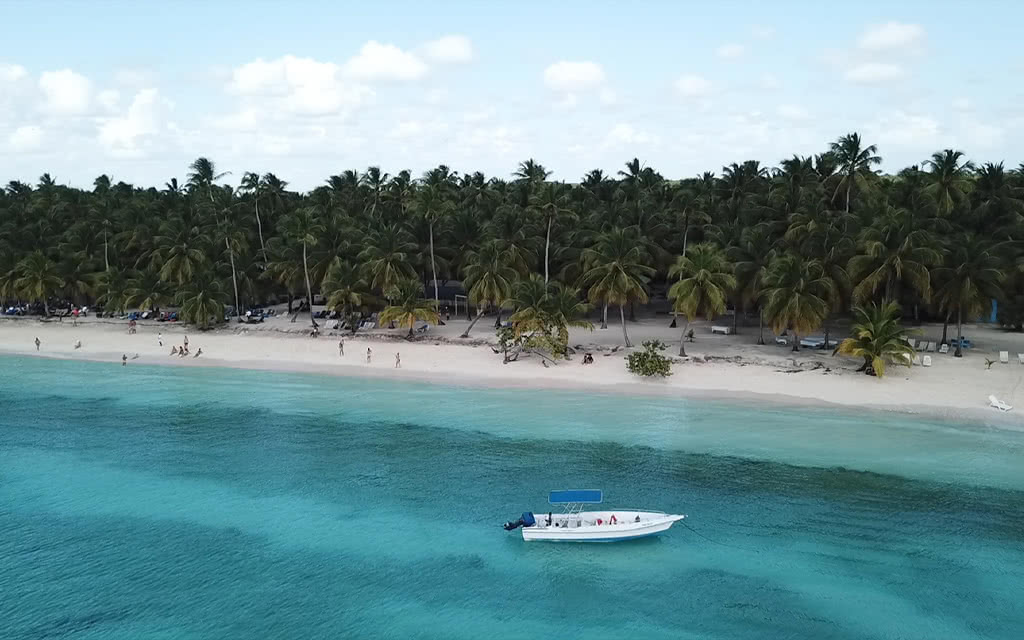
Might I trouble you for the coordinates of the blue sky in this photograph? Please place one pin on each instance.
(306, 90)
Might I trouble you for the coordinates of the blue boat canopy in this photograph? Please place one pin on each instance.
(577, 496)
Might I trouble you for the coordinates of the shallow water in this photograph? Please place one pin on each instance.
(183, 503)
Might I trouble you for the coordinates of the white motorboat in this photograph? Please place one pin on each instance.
(574, 524)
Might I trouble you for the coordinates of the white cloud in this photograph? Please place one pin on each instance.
(25, 138)
(769, 82)
(300, 85)
(875, 73)
(730, 51)
(12, 72)
(123, 135)
(66, 92)
(108, 98)
(449, 49)
(376, 61)
(608, 97)
(892, 36)
(627, 135)
(691, 85)
(570, 77)
(793, 112)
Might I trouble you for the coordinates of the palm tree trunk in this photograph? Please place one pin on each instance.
(682, 338)
(686, 230)
(622, 318)
(604, 316)
(760, 326)
(479, 314)
(735, 318)
(234, 280)
(259, 226)
(796, 342)
(497, 321)
(309, 292)
(849, 184)
(106, 260)
(945, 327)
(433, 268)
(959, 334)
(547, 247)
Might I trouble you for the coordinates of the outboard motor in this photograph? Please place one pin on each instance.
(526, 521)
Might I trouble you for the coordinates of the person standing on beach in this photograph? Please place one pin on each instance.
(186, 343)
(369, 354)
(160, 338)
(398, 360)
(341, 348)
(124, 359)
(37, 343)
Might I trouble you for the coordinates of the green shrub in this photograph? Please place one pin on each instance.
(650, 362)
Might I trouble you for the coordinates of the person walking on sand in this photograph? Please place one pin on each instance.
(37, 343)
(124, 359)
(398, 360)
(369, 354)
(160, 338)
(341, 348)
(186, 343)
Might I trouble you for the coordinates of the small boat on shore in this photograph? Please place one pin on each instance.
(574, 524)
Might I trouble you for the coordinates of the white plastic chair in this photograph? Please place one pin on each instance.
(1004, 357)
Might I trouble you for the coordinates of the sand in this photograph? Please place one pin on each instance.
(956, 388)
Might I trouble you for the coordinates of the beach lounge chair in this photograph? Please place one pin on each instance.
(926, 361)
(721, 329)
(1020, 358)
(921, 346)
(931, 347)
(916, 360)
(943, 348)
(912, 342)
(1004, 357)
(995, 403)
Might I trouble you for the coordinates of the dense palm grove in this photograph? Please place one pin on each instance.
(795, 245)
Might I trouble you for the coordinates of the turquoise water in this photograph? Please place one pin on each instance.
(147, 502)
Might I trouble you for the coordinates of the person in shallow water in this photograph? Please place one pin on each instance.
(124, 359)
(37, 344)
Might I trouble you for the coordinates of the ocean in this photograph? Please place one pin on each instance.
(171, 503)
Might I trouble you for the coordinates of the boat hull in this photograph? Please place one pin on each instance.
(583, 527)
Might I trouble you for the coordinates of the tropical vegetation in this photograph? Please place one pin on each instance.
(790, 246)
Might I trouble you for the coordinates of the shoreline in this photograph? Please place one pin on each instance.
(436, 360)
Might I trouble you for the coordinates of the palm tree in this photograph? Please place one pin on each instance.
(434, 205)
(616, 273)
(114, 284)
(949, 180)
(798, 295)
(751, 258)
(38, 278)
(409, 306)
(854, 163)
(891, 254)
(202, 175)
(489, 277)
(343, 286)
(878, 338)
(531, 171)
(539, 305)
(551, 202)
(202, 298)
(387, 257)
(704, 280)
(252, 184)
(304, 228)
(970, 280)
(147, 290)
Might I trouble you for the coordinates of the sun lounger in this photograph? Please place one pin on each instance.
(721, 329)
(998, 404)
(1020, 358)
(912, 342)
(916, 360)
(943, 348)
(1004, 357)
(931, 347)
(926, 361)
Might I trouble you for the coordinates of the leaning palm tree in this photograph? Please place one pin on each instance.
(38, 278)
(855, 162)
(616, 273)
(409, 307)
(489, 277)
(878, 338)
(202, 299)
(704, 281)
(970, 281)
(798, 295)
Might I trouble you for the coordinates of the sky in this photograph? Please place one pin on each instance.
(305, 90)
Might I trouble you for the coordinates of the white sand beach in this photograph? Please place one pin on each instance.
(718, 366)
